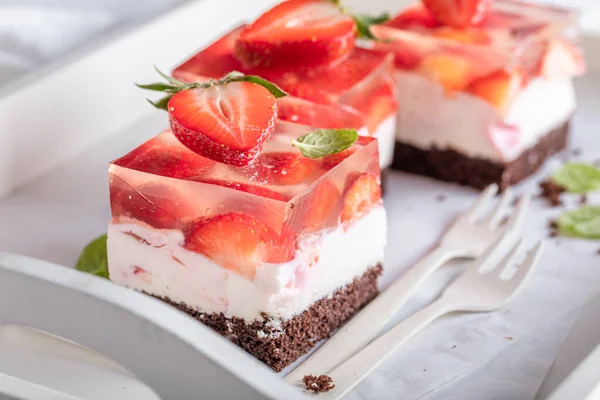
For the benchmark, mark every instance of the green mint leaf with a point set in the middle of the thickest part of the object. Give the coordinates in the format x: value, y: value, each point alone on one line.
x: 323, y: 142
x: 583, y: 222
x: 578, y: 177
x: 161, y: 103
x: 94, y: 259
x: 364, y: 22
x: 159, y: 87
x: 270, y: 86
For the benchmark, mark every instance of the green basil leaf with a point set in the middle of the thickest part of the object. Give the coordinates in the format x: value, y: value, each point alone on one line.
x: 323, y: 142
x: 578, y: 177
x: 94, y: 259
x: 583, y: 222
x: 364, y: 22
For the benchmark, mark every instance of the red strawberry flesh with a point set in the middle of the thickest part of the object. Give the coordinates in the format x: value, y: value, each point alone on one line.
x: 237, y: 241
x: 297, y: 33
x: 288, y: 168
x: 226, y: 123
x: 362, y: 195
x: 458, y: 13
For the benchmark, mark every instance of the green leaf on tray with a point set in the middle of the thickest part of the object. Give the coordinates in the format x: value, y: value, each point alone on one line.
x: 578, y: 177
x: 323, y: 142
x: 94, y: 259
x: 583, y: 222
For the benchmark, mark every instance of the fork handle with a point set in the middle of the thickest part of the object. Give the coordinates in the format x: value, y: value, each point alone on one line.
x: 365, y: 325
x: 355, y: 369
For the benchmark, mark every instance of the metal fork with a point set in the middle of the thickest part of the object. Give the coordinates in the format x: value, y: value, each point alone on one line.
x: 468, y: 237
x: 483, y: 287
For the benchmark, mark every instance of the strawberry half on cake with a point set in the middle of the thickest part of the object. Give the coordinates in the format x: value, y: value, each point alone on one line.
x: 485, y: 87
x: 307, y: 47
x: 269, y: 232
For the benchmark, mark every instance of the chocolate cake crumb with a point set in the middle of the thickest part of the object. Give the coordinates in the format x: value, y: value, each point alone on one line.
x: 552, y: 191
x: 583, y: 199
x: 441, y: 198
x: 598, y: 251
x: 576, y: 152
x: 318, y: 384
x: 553, y: 227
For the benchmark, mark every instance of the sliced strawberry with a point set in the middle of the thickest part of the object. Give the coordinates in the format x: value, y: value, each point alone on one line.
x: 159, y: 157
x: 297, y: 33
x: 458, y: 13
x: 498, y: 89
x: 321, y: 209
x: 287, y: 168
x: 561, y: 60
x: 407, y: 47
x: 158, y: 206
x: 226, y: 123
x: 416, y: 15
x: 341, y: 76
x: 374, y: 97
x: 305, y: 112
x: 333, y: 160
x: 247, y: 188
x: 237, y: 241
x: 464, y: 36
x: 362, y: 194
x: 506, y: 139
x: 453, y: 72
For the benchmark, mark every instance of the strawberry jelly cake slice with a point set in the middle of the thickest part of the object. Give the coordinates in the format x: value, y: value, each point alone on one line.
x: 267, y: 245
x: 327, y: 69
x: 486, y: 87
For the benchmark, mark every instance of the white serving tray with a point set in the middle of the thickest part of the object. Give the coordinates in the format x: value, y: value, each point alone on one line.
x: 576, y: 372
x: 55, y: 168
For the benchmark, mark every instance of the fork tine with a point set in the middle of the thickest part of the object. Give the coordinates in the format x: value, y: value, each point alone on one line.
x: 482, y: 201
x: 511, y: 256
x: 515, y: 222
x: 523, y: 272
x: 496, y: 215
x: 487, y: 256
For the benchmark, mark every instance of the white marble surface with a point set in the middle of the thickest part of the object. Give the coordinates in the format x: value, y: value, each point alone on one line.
x: 503, y: 355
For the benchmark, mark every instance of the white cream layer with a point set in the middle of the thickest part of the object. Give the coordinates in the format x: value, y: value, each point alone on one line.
x: 281, y: 291
x: 386, y: 139
x: 429, y: 117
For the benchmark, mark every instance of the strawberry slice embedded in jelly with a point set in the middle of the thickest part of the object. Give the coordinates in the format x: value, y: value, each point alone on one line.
x: 451, y: 71
x: 498, y: 89
x: 296, y: 33
x: 360, y: 197
x: 256, y: 190
x: 333, y: 160
x: 287, y: 168
x: 160, y: 158
x: 458, y: 13
x: 332, y: 116
x: 159, y: 207
x: 321, y: 207
x: 416, y: 15
x: 227, y: 123
x: 237, y: 241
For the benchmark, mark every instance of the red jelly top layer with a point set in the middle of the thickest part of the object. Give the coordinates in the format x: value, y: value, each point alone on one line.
x: 362, y: 80
x: 164, y: 184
